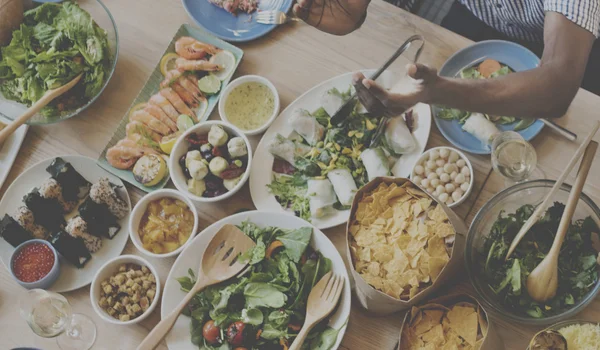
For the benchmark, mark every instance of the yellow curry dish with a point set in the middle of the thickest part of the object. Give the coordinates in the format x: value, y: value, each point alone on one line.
x: 166, y: 225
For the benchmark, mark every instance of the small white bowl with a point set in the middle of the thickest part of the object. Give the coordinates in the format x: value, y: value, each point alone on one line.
x: 181, y: 147
x: 247, y: 79
x: 109, y: 269
x: 138, y: 212
x: 462, y: 156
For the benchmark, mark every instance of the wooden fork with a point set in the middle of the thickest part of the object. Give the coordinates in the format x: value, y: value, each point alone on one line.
x: 321, y: 301
x: 219, y: 263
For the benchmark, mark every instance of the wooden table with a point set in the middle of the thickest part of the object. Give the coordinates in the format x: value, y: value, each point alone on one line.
x: 294, y: 57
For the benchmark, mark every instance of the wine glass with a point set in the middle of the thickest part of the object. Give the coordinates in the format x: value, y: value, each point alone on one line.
x: 514, y: 158
x: 49, y: 315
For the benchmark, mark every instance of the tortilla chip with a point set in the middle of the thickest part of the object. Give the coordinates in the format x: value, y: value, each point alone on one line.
x: 434, y: 336
x: 436, y: 247
x: 435, y: 267
x: 464, y: 322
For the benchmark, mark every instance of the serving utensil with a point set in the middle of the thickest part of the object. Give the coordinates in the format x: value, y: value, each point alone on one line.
x: 321, y: 301
x: 542, y: 282
x: 566, y: 133
x: 219, y: 263
x: 275, y: 17
x: 36, y: 107
x: 541, y: 209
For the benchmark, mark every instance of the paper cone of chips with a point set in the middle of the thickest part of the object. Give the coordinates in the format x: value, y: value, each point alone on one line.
x: 402, y: 243
x: 449, y: 323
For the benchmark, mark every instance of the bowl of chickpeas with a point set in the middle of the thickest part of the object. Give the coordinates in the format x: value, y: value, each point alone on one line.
x: 125, y: 290
x: 446, y: 173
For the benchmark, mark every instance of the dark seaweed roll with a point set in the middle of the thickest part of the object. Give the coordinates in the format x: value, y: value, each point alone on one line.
x: 100, y: 221
x: 74, y: 185
x: 71, y: 248
x: 47, y: 212
x: 51, y: 189
x: 77, y: 227
x: 25, y: 218
x: 12, y: 232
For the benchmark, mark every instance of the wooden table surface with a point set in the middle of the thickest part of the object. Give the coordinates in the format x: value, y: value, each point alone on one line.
x: 294, y: 57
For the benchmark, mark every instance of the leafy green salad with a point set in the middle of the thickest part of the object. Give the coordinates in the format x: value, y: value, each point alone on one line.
x: 577, y: 273
x: 266, y: 306
x: 55, y: 43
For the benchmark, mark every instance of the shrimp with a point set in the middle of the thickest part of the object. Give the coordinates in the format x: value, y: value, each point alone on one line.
x: 176, y: 101
x: 122, y: 157
x: 193, y: 65
x: 193, y: 49
x: 192, y: 87
x: 172, y: 76
x: 137, y: 128
x: 158, y: 113
x: 185, y: 95
x: 132, y: 144
x: 153, y: 123
x: 164, y: 104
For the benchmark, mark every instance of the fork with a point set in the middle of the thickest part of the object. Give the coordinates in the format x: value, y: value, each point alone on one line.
x: 321, y: 301
x: 274, y: 17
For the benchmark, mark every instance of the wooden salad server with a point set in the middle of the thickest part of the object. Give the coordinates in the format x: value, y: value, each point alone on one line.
x: 321, y: 301
x: 219, y: 263
x: 36, y: 107
x: 542, y: 282
x: 541, y: 209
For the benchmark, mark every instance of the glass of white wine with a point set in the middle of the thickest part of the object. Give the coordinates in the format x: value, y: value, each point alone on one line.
x: 513, y: 157
x: 50, y: 315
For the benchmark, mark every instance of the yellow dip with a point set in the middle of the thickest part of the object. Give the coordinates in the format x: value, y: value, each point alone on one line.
x: 249, y: 105
x: 166, y: 225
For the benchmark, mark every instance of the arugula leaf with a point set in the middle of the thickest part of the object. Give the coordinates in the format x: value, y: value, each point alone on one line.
x: 270, y: 332
x: 279, y: 319
x: 325, y: 340
x: 295, y: 242
x: 263, y: 295
x: 252, y: 316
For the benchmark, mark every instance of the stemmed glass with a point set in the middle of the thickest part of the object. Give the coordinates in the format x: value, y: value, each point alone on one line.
x: 49, y: 315
x: 514, y: 158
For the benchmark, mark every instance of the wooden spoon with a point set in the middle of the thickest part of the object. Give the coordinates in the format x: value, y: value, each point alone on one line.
x: 542, y: 282
x: 321, y: 301
x: 36, y: 107
x: 219, y: 263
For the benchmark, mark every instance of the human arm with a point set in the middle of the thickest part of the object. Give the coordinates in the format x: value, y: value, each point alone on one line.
x: 338, y: 17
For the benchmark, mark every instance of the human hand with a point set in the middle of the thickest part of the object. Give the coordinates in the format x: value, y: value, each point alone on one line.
x: 338, y: 17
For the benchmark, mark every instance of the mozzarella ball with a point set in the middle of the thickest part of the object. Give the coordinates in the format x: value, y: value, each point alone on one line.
x: 444, y: 177
x: 449, y: 168
x: 460, y: 179
x: 465, y: 171
x: 425, y: 183
x: 430, y: 190
x: 444, y: 152
x: 229, y: 184
x: 440, y: 163
x: 440, y: 189
x: 217, y: 136
x: 464, y: 187
x: 450, y: 188
x: 461, y: 163
x: 435, y: 154
x: 432, y: 176
x: 419, y: 170
x: 196, y: 187
x: 456, y: 196
x: 443, y: 197
x: 430, y: 165
x: 453, y: 175
x: 198, y: 170
x: 237, y: 147
x: 453, y: 157
x: 417, y: 179
x: 217, y: 165
x: 434, y: 182
x: 439, y: 171
x: 427, y: 172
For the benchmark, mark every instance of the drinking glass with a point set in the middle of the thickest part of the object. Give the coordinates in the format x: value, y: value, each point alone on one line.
x: 49, y: 315
x: 514, y: 158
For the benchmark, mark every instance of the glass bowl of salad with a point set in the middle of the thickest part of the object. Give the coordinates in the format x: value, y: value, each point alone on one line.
x: 55, y: 43
x: 502, y: 283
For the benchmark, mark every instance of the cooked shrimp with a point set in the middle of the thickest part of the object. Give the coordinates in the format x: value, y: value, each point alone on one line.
x: 171, y: 77
x: 192, y: 87
x: 132, y: 144
x: 164, y: 104
x: 193, y: 49
x: 185, y: 95
x: 159, y: 114
x: 122, y: 157
x: 137, y: 128
x: 153, y: 123
x: 176, y: 101
x: 193, y: 65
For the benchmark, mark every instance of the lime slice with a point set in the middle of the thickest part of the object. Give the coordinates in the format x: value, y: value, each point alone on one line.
x: 209, y: 84
x: 167, y: 63
x: 167, y: 142
x: 227, y: 61
x: 184, y: 122
x: 136, y: 108
x: 201, y: 110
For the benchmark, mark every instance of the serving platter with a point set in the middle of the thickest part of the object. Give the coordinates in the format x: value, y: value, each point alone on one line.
x: 10, y: 149
x: 260, y: 173
x: 180, y: 339
x: 70, y: 278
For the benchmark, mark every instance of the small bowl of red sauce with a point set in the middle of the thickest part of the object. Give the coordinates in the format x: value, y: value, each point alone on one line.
x: 34, y: 264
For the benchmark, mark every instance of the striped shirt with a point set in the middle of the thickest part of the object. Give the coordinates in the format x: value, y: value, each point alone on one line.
x: 524, y: 19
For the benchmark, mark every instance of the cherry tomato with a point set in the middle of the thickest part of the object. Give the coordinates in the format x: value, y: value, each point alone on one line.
x: 235, y: 333
x: 211, y: 332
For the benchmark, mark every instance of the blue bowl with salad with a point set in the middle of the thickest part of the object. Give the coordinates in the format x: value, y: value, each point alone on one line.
x: 502, y: 284
x: 56, y: 42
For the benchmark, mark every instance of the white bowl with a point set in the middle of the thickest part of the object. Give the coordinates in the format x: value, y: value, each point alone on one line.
x: 248, y: 79
x: 462, y: 156
x: 181, y: 147
x: 109, y: 269
x: 138, y: 212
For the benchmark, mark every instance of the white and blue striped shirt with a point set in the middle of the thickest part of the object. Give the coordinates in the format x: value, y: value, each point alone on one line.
x: 524, y: 19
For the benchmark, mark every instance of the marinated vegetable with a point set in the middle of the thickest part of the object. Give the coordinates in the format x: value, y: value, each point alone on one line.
x: 166, y: 225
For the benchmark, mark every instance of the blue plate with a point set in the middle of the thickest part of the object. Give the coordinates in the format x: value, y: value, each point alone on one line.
x: 226, y: 26
x: 517, y: 57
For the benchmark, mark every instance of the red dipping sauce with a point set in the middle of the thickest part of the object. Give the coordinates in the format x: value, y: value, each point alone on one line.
x: 33, y: 262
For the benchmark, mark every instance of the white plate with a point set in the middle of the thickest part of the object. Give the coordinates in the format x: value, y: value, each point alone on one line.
x: 260, y: 174
x: 179, y: 338
x: 71, y: 278
x: 10, y: 149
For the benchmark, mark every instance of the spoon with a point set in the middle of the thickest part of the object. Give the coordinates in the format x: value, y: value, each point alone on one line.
x: 219, y: 263
x: 542, y: 282
x: 549, y: 339
x: 39, y: 104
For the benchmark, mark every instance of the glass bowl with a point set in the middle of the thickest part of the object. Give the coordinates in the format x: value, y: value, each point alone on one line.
x: 101, y: 15
x: 509, y: 200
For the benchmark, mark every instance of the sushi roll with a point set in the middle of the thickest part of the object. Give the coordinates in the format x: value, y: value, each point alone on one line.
x: 51, y: 189
x: 77, y: 227
x: 47, y: 212
x: 100, y: 221
x: 12, y: 232
x: 103, y: 192
x: 25, y: 218
x: 71, y: 248
x: 74, y: 186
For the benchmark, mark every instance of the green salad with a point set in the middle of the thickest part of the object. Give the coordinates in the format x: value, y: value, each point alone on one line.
x: 55, y: 43
x: 577, y: 273
x: 265, y: 308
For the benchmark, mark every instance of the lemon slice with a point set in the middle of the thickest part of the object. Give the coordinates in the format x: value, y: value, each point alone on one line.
x: 167, y: 142
x: 136, y: 108
x: 201, y: 110
x: 227, y: 61
x: 167, y: 62
x: 184, y: 122
x: 150, y: 169
x: 209, y: 84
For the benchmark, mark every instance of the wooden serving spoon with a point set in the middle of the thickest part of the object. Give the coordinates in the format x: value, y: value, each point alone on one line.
x: 36, y: 107
x: 542, y: 282
x: 219, y: 263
